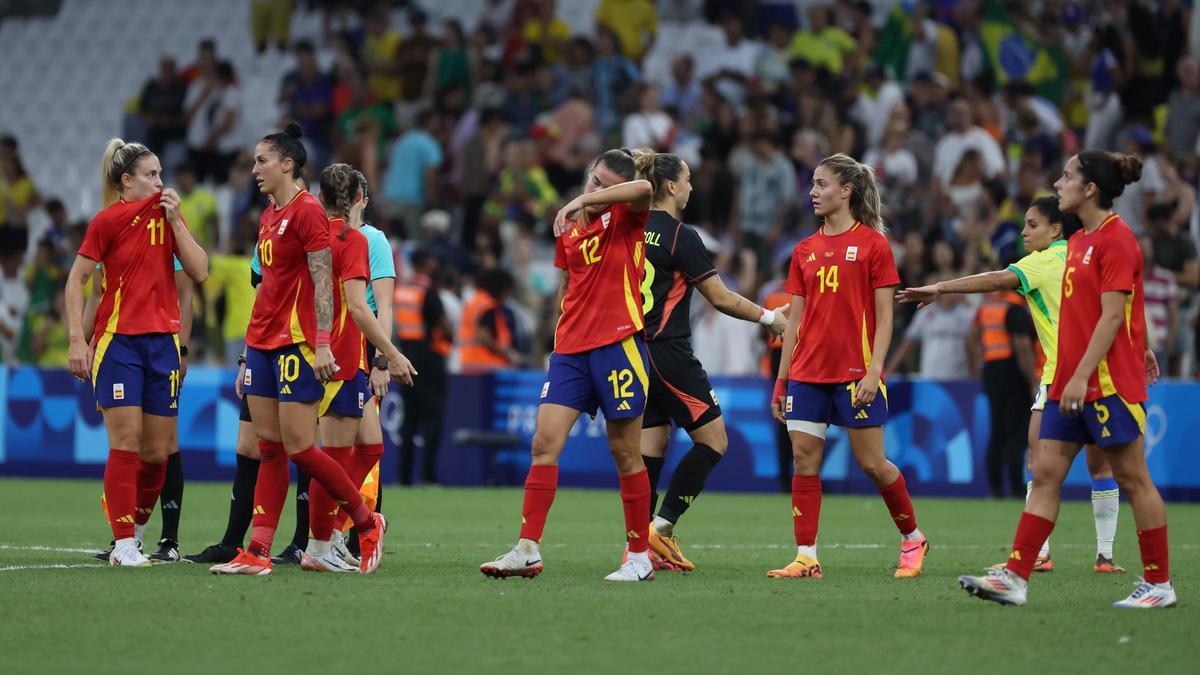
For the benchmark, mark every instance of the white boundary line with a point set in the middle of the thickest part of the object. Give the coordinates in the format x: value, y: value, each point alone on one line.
x: 59, y: 566
x: 48, y: 549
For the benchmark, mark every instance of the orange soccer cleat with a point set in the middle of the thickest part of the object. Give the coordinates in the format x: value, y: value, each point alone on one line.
x: 803, y: 567
x: 245, y: 563
x: 370, y: 545
x: 912, y: 556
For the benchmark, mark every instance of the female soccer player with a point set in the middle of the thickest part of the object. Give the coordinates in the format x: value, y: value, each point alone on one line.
x: 133, y: 357
x: 288, y: 357
x: 347, y: 394
x: 839, y: 329
x: 1099, y: 383
x: 1038, y: 276
x: 676, y: 261
x: 599, y: 358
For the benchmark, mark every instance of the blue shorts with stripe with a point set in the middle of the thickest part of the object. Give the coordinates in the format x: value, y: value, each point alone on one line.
x: 611, y: 378
x: 137, y: 370
x: 346, y: 397
x: 833, y: 404
x: 285, y: 373
x: 1104, y: 422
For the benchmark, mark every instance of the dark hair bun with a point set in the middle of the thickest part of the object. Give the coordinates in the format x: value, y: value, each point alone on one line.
x: 294, y: 130
x: 1130, y: 168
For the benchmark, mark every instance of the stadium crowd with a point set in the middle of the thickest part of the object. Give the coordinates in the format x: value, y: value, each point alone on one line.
x: 472, y: 137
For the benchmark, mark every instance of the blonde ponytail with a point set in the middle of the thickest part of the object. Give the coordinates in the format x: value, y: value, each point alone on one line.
x: 119, y: 159
x: 865, y: 203
x: 643, y: 165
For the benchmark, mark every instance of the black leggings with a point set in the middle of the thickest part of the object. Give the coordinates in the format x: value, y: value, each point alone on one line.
x: 1009, y: 399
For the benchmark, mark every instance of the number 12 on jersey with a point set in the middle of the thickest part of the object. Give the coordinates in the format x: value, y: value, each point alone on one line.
x: 828, y: 277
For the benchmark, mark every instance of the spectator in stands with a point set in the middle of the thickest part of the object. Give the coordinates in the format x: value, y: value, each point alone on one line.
x: 306, y: 96
x: 1174, y: 247
x: 649, y: 126
x: 930, y: 97
x: 380, y: 46
x: 522, y: 191
x: 14, y: 298
x: 730, y: 68
x: 873, y: 108
x: 774, y: 67
x: 680, y: 11
x: 523, y: 102
x: 573, y: 76
x: 566, y: 142
x: 198, y: 206
x: 613, y: 74
x: 714, y: 334
x: 450, y: 65
x: 766, y: 190
x: 964, y: 135
x: 683, y: 92
x: 227, y: 285
x: 205, y: 63
x: 940, y: 330
x: 161, y: 109
x: 1183, y: 111
x: 18, y: 196
x: 633, y: 21
x: 49, y: 346
x: 1135, y: 202
x: 412, y: 65
x: 57, y: 230
x: 271, y: 21
x: 364, y: 127
x: 1162, y: 308
x: 479, y: 162
x: 821, y: 42
x: 214, y: 111
x: 544, y: 35
x: 411, y: 179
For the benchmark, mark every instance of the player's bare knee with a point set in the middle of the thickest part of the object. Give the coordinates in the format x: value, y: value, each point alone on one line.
x: 545, y: 448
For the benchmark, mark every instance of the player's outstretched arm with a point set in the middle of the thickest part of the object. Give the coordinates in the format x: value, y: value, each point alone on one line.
x: 399, y: 367
x: 736, y: 305
x: 977, y: 283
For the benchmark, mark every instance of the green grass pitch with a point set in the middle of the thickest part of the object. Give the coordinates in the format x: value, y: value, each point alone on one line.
x: 430, y: 610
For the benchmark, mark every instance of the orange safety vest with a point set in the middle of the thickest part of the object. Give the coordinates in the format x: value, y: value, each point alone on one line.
x: 474, y: 356
x: 997, y: 343
x: 408, y: 299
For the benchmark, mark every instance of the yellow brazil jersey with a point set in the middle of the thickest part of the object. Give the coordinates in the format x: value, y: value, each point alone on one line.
x: 1041, y: 274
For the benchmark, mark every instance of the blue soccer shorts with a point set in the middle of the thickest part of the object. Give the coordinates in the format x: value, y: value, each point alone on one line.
x: 346, y: 397
x: 811, y: 408
x: 285, y: 373
x: 138, y: 370
x: 1106, y: 422
x: 611, y: 378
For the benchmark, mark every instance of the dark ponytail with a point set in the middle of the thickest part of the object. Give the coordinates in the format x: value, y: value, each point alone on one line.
x: 1048, y: 207
x: 287, y: 144
x: 1110, y: 171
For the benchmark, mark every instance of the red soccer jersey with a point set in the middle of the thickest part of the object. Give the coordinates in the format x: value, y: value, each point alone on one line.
x: 349, y: 262
x: 1107, y: 259
x: 284, y: 310
x: 135, y: 245
x: 837, y: 277
x: 604, y: 259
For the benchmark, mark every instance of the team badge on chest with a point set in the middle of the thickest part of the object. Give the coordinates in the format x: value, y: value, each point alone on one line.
x: 851, y: 253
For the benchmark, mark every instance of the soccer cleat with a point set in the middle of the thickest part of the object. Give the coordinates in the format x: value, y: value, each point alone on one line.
x: 632, y: 570
x: 288, y: 556
x: 325, y: 562
x: 1105, y: 565
x: 103, y: 555
x: 803, y: 567
x: 912, y: 556
x: 656, y: 561
x: 127, y: 555
x: 168, y: 552
x: 1042, y: 564
x: 371, y: 545
x: 666, y: 547
x: 245, y: 563
x: 1000, y: 585
x: 338, y: 543
x: 512, y: 564
x: 1149, y: 596
x: 213, y: 555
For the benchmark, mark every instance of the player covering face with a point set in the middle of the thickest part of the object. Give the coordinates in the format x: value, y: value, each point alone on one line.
x: 839, y: 328
x: 1099, y: 384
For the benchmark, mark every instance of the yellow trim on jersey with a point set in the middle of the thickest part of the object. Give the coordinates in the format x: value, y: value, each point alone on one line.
x: 635, y: 362
x: 296, y: 330
x: 883, y: 390
x: 1129, y: 314
x: 1137, y: 412
x: 634, y: 308
x: 111, y: 326
x: 342, y: 315
x: 332, y: 388
x: 101, y: 347
x: 866, y: 343
x: 1107, y: 386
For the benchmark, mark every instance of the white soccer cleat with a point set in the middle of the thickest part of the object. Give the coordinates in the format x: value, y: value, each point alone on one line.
x: 513, y: 564
x: 1149, y: 596
x: 126, y: 553
x: 338, y: 543
x: 1000, y: 585
x: 633, y: 570
x: 326, y: 562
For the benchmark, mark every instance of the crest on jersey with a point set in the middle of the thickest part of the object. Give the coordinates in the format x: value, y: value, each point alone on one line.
x: 604, y: 218
x: 1087, y: 257
x: 851, y: 253
x: 282, y: 227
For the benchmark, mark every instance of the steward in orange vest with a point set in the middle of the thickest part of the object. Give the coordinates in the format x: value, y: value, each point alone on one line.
x: 485, y: 334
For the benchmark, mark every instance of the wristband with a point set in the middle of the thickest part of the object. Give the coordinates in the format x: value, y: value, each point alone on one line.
x: 183, y: 351
x: 241, y: 359
x: 380, y: 362
x: 779, y: 392
x: 767, y: 317
x: 322, y: 338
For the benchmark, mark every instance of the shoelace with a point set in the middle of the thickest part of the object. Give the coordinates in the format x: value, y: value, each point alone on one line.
x: 1144, y: 588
